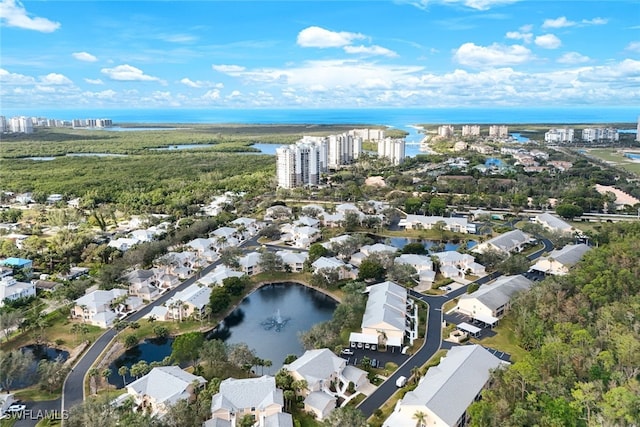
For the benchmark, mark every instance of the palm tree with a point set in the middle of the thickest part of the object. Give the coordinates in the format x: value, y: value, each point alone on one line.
x: 415, y: 374
x: 421, y: 418
x: 93, y: 373
x: 382, y: 338
x: 123, y: 371
x: 268, y: 363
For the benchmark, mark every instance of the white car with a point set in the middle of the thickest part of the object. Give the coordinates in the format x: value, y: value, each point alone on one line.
x: 347, y: 352
x: 16, y: 408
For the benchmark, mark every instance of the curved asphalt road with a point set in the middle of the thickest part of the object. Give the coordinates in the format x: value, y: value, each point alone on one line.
x: 433, y: 337
x: 72, y: 390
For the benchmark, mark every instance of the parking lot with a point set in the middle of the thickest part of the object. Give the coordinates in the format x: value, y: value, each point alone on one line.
x: 393, y: 354
x: 457, y: 318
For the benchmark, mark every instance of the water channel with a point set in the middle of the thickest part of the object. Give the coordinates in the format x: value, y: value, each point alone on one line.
x: 268, y: 320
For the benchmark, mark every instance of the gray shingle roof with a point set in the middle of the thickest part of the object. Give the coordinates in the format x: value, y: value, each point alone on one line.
x: 570, y: 255
x: 386, y: 304
x: 166, y: 384
x: 240, y: 394
x: 496, y: 294
x: 316, y: 365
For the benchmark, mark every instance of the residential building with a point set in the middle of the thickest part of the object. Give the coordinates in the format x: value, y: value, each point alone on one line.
x: 162, y: 388
x: 368, y: 134
x: 385, y: 317
x: 491, y: 300
x: 11, y: 289
x: 445, y: 131
x: 423, y: 265
x: 600, y: 135
x: 555, y: 136
x: 553, y: 223
x: 301, y: 164
x: 142, y: 283
x: 250, y: 263
x: 189, y: 302
x: 342, y: 149
x: 470, y: 130
x: 217, y: 276
x: 392, y: 149
x: 96, y: 308
x: 294, y: 261
x: 21, y: 125
x: 560, y: 261
x: 509, y: 242
x: 422, y: 222
x: 23, y: 265
x: 320, y: 368
x: 255, y: 397
x: 455, y: 265
x: 447, y: 390
x: 498, y: 131
x: 278, y: 212
x: 638, y: 130
x: 330, y: 263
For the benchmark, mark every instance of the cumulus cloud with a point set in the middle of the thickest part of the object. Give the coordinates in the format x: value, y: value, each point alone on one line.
x: 560, y: 22
x: 517, y: 35
x: 84, y: 56
x: 370, y: 50
x: 595, y: 21
x: 13, y: 14
x: 548, y: 41
x: 319, y: 37
x: 211, y: 95
x: 228, y: 69
x: 94, y: 81
x: 15, y: 78
x: 573, y: 58
x: 55, y: 79
x: 473, y: 55
x: 633, y: 47
x: 127, y: 73
x: 198, y: 83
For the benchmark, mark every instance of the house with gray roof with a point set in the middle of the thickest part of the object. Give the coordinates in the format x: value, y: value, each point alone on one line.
x: 295, y: 260
x: 95, y: 307
x: 447, y: 390
x: 256, y: 397
x: 142, y: 283
x: 422, y: 222
x: 507, y: 243
x: 560, y: 261
x: 189, y: 301
x: 319, y: 368
x: 163, y: 387
x: 344, y: 270
x: 217, y: 276
x: 553, y: 223
x: 491, y: 300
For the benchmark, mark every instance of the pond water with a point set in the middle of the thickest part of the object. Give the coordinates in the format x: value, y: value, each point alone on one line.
x: 266, y: 148
x: 519, y: 138
x: 268, y: 320
x: 38, y: 352
x: 401, y: 242
x: 95, y: 155
x: 633, y: 156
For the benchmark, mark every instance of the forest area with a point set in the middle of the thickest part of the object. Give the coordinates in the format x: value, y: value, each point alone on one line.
x: 582, y: 334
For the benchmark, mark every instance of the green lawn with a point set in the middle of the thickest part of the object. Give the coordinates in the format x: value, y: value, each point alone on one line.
x: 504, y: 340
x: 616, y: 158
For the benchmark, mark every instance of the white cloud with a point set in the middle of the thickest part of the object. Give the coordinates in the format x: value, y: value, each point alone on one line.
x: 595, y: 21
x: 178, y: 38
x: 517, y: 35
x: 94, y: 81
x: 633, y: 47
x: 199, y: 83
x: 319, y: 37
x: 473, y: 55
x: 55, y: 79
x: 548, y: 41
x: 127, y: 73
x: 228, y: 69
x: 13, y: 14
x: 560, y: 22
x: 211, y: 95
x: 370, y: 50
x: 84, y: 56
x: 474, y: 4
x: 14, y: 78
x: 573, y: 58
x: 234, y: 94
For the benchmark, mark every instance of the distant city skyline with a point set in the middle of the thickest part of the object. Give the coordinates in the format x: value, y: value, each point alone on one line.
x: 319, y: 54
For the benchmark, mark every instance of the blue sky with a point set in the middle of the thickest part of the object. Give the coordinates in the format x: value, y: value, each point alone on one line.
x: 249, y: 54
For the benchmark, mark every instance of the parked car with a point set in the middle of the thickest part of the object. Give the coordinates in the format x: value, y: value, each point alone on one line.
x: 374, y: 363
x: 401, y: 381
x: 374, y: 347
x: 347, y: 352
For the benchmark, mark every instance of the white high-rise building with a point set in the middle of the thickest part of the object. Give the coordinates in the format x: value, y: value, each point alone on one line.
x: 470, y: 130
x: 638, y: 130
x: 498, y: 131
x: 343, y: 149
x: 392, y: 149
x: 600, y: 134
x: 559, y: 135
x: 445, y: 131
x: 3, y: 124
x: 21, y: 125
x: 368, y: 134
x: 301, y: 164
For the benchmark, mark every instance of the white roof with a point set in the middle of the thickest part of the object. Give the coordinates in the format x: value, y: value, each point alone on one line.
x: 249, y: 260
x: 307, y: 220
x: 386, y: 307
x: 157, y: 312
x: 279, y: 419
x: 363, y: 338
x: 236, y: 395
x: 100, y: 298
x: 570, y: 255
x: 468, y: 328
x: 327, y: 262
x: 319, y: 400
x: 414, y: 259
x: 497, y: 293
x: 507, y: 241
x: 290, y: 257
x: 196, y: 295
x: 224, y: 232
x: 377, y: 248
x: 431, y: 220
x: 243, y: 221
x: 449, y: 388
x: 217, y: 276
x: 316, y: 365
x: 485, y: 318
x: 166, y: 384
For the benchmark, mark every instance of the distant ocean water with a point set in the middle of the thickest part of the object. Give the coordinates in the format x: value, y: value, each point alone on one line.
x: 396, y: 117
